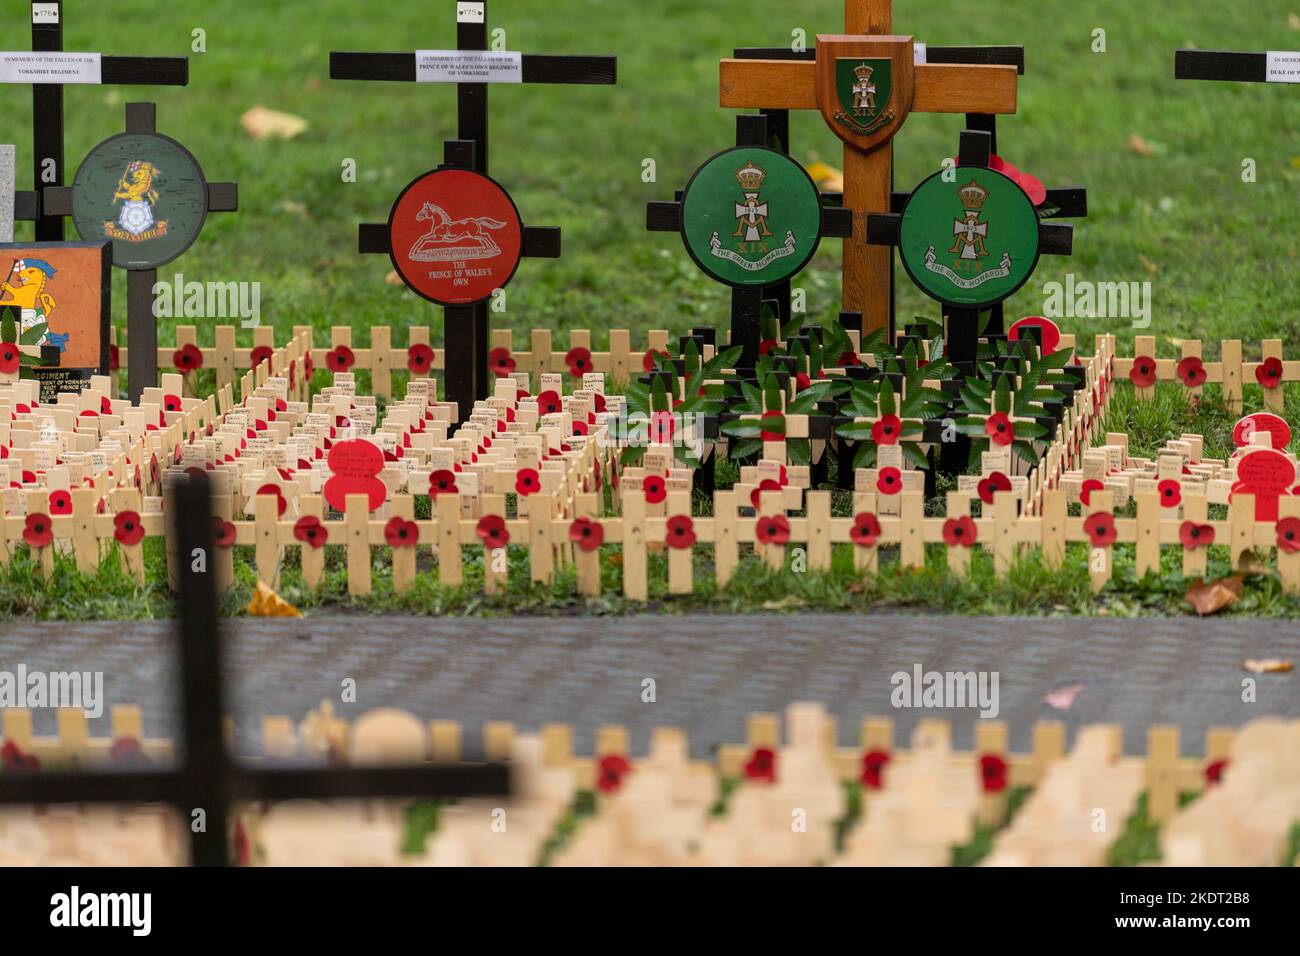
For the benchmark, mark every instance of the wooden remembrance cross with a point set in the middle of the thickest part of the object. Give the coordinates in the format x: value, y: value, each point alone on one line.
x: 467, y: 325
x: 865, y: 84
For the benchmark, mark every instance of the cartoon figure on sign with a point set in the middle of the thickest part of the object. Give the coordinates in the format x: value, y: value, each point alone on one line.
x: 969, y: 229
x: 354, y: 467
x: 454, y: 239
x: 135, y: 222
x: 26, y: 289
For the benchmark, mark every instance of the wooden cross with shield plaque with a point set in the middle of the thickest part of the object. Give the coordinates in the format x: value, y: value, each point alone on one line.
x: 865, y: 83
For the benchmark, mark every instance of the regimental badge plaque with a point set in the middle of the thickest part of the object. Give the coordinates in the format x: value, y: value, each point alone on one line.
x: 969, y: 238
x: 751, y: 217
x: 865, y: 87
x: 455, y: 236
x: 146, y: 193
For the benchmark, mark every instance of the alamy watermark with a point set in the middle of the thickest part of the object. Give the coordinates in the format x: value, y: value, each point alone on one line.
x: 179, y: 299
x: 638, y: 430
x: 1083, y: 299
x: 35, y: 690
x: 956, y: 690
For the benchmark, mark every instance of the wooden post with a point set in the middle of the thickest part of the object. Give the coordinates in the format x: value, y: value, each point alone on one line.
x: 356, y: 523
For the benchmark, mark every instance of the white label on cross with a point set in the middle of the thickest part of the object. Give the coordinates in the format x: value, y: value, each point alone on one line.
x: 918, y: 52
x: 468, y: 12
x: 468, y: 66
x: 45, y: 13
x: 49, y: 68
x: 1282, y: 67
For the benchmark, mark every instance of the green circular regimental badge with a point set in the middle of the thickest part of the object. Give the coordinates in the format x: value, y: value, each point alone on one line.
x: 146, y: 193
x: 972, y: 242
x: 751, y: 217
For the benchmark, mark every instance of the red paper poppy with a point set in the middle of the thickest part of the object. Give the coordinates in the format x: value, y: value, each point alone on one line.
x: 655, y: 489
x: 762, y: 765
x: 1143, y: 373
x: 113, y: 360
x: 772, y: 436
x: 889, y: 481
x: 223, y: 532
x: 127, y: 528
x: 1171, y: 493
x: 848, y: 359
x: 38, y: 531
x: 766, y: 346
x: 1000, y: 429
x: 1192, y: 371
x: 442, y: 482
x: 662, y: 427
x: 1214, y: 772
x: 587, y: 534
x: 500, y: 361
x: 308, y: 365
x: 579, y: 361
x: 549, y: 402
x: 650, y: 361
x: 340, y: 359
x: 127, y: 752
x: 580, y: 427
x: 990, y: 486
x: 960, y: 531
x: 1100, y: 528
x: 187, y: 358
x: 280, y: 503
x: 60, y: 502
x: 610, y: 772
x: 993, y: 773
x: 873, y: 768
x: 767, y: 484
x: 1193, y: 535
x: 171, y: 403
x: 13, y: 759
x: 1088, y: 487
x: 492, y: 531
x: 772, y: 530
x: 1269, y: 372
x: 419, y: 359
x: 9, y: 358
x: 1288, y: 535
x: 309, y: 530
x: 801, y: 381
x: 400, y: 533
x: 528, y: 482
x: 681, y: 532
x: 263, y: 353
x: 887, y: 430
x: 865, y: 530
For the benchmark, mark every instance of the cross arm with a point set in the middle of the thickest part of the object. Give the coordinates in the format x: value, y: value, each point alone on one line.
x: 1071, y: 202
x: 986, y: 55
x: 1054, y: 239
x: 940, y: 87
x: 1221, y: 65
x: 837, y: 222
x: 400, y: 67
x: 540, y: 242
x: 145, y: 70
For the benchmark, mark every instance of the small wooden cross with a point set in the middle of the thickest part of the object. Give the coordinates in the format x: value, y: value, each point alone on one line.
x: 47, y: 108
x: 467, y: 327
x: 868, y: 157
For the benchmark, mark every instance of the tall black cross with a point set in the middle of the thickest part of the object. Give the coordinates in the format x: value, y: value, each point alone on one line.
x: 206, y: 777
x: 1237, y: 67
x: 1062, y: 202
x: 141, y: 323
x: 47, y: 110
x: 466, y: 345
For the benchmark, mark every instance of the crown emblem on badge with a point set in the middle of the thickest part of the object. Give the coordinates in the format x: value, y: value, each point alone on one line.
x: 750, y: 176
x: 972, y: 195
x: 864, y: 72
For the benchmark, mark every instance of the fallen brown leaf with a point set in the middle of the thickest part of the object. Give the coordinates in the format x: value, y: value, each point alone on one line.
x: 827, y: 177
x: 1215, y: 596
x: 1251, y: 566
x: 393, y: 278
x: 1266, y: 667
x: 1140, y: 146
x: 1151, y: 267
x: 785, y: 604
x: 262, y: 123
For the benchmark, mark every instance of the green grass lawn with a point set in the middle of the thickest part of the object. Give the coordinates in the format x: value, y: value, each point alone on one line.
x: 1218, y: 252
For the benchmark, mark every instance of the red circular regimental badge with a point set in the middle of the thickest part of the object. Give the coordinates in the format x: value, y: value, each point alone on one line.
x: 455, y: 236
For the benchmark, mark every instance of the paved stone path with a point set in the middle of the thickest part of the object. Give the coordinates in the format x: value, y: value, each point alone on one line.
x: 710, y: 672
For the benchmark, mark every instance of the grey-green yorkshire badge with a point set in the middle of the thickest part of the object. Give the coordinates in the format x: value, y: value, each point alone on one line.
x: 145, y: 192
x: 751, y: 217
x: 971, y: 242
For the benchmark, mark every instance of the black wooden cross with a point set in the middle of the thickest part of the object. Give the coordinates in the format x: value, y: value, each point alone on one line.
x: 466, y: 340
x: 47, y: 110
x: 206, y: 777
x: 1062, y: 202
x: 141, y: 323
x: 1225, y: 65
x: 747, y: 303
x: 963, y: 324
